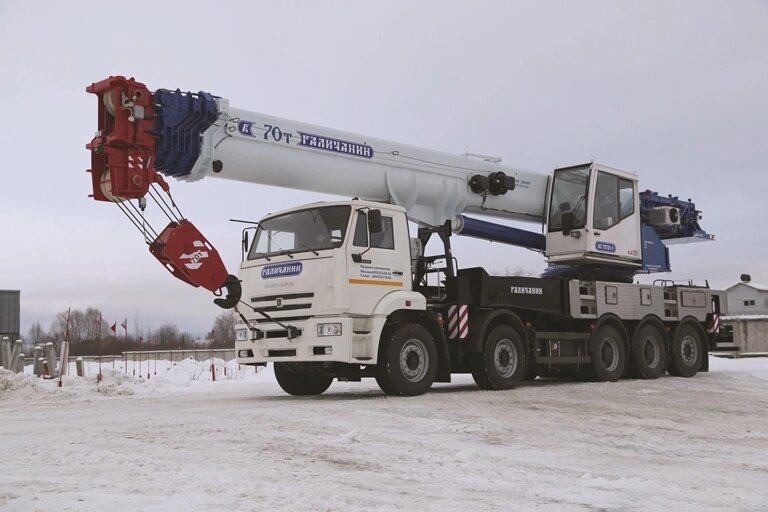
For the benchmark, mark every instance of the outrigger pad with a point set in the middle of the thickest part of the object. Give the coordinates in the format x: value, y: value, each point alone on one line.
x: 186, y: 253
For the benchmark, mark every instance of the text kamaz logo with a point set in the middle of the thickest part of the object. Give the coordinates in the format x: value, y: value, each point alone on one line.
x: 524, y: 290
x: 605, y: 247
x: 282, y: 270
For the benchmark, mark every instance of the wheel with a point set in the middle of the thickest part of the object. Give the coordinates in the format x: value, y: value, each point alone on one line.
x: 649, y: 353
x: 503, y: 364
x: 300, y: 384
x: 609, y: 355
x: 407, y: 363
x: 686, y: 352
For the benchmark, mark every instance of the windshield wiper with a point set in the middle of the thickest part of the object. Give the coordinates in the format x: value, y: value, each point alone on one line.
x: 286, y: 253
x: 311, y: 249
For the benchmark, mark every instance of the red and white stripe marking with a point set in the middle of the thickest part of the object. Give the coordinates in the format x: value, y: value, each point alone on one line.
x: 458, y: 322
x: 714, y: 327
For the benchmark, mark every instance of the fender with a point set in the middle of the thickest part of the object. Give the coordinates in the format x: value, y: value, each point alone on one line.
x: 481, y: 321
x: 405, y: 300
x: 656, y: 322
x: 610, y: 318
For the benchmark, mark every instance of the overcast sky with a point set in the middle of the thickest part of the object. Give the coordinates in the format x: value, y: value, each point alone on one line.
x: 676, y: 91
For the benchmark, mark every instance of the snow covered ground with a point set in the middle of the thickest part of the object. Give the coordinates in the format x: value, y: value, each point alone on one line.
x: 181, y: 442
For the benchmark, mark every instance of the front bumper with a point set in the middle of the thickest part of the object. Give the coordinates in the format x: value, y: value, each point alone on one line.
x: 275, y: 346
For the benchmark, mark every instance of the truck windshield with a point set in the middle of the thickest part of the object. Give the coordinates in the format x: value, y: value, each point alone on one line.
x: 302, y: 231
x: 569, y: 193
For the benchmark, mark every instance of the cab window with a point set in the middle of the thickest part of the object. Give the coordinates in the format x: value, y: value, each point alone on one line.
x: 606, y: 212
x: 383, y: 240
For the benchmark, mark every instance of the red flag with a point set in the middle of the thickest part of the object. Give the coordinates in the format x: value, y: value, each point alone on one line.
x: 114, y: 328
x: 125, y: 324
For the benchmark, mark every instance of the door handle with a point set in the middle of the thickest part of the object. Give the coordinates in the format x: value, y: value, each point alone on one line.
x: 397, y: 272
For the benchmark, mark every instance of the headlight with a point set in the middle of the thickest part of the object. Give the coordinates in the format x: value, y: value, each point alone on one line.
x: 241, y: 335
x: 333, y: 329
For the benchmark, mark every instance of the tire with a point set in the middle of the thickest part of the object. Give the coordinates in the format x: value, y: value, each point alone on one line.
x: 649, y: 352
x: 686, y: 352
x: 407, y: 363
x: 300, y: 384
x: 503, y: 362
x: 609, y: 354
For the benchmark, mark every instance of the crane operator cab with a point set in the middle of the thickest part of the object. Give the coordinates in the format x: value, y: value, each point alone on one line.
x: 593, y: 217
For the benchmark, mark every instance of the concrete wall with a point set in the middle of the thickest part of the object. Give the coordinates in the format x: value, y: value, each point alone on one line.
x: 750, y: 334
x: 738, y: 293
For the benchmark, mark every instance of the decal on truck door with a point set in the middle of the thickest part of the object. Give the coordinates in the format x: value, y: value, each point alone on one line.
x: 605, y: 246
x: 282, y: 270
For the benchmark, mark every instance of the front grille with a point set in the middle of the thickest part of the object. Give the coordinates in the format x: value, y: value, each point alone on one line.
x: 287, y: 296
x: 283, y: 319
x: 282, y: 353
x: 285, y: 307
x: 275, y: 305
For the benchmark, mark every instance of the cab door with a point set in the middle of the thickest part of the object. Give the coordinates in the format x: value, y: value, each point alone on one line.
x: 615, y: 216
x: 378, y: 262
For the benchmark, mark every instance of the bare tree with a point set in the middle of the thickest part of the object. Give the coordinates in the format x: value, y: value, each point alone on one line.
x: 36, y: 334
x: 223, y: 331
x: 514, y: 272
x: 166, y: 335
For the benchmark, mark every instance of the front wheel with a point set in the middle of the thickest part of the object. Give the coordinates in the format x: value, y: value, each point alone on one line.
x: 686, y: 352
x: 299, y: 384
x: 407, y: 363
x: 503, y: 364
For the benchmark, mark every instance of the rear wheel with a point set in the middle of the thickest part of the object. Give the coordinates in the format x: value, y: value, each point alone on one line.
x: 649, y: 354
x: 503, y: 364
x: 686, y: 352
x: 407, y: 363
x: 609, y: 355
x: 299, y: 384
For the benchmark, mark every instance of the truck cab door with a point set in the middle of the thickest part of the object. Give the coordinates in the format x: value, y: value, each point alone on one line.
x: 379, y: 262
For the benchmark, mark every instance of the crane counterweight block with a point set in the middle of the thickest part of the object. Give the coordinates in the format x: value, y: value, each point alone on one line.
x: 186, y: 253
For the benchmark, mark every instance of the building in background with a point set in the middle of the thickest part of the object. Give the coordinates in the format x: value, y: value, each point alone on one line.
x: 10, y: 312
x: 747, y: 298
x: 746, y: 326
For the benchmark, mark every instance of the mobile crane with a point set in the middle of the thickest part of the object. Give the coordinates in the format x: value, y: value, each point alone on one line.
x: 340, y: 290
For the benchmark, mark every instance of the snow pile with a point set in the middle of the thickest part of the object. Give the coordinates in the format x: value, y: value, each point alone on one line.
x: 154, y: 378
x: 21, y: 386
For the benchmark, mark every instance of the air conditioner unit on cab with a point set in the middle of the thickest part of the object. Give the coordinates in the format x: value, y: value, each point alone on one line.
x: 664, y: 216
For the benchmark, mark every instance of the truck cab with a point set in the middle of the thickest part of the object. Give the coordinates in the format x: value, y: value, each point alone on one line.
x: 320, y: 280
x: 593, y: 217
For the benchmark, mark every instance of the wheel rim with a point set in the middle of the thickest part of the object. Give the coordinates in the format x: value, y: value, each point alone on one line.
x: 651, y: 352
x: 609, y: 354
x: 414, y: 360
x: 505, y: 358
x: 689, y: 350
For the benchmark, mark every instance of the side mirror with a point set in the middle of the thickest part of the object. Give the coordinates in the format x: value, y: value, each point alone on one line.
x: 245, y: 241
x: 567, y: 222
x: 374, y: 221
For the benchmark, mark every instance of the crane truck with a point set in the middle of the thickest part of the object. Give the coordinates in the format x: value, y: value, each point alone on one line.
x: 342, y: 290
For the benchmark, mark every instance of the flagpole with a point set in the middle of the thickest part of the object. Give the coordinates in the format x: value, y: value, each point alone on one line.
x: 98, y: 343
